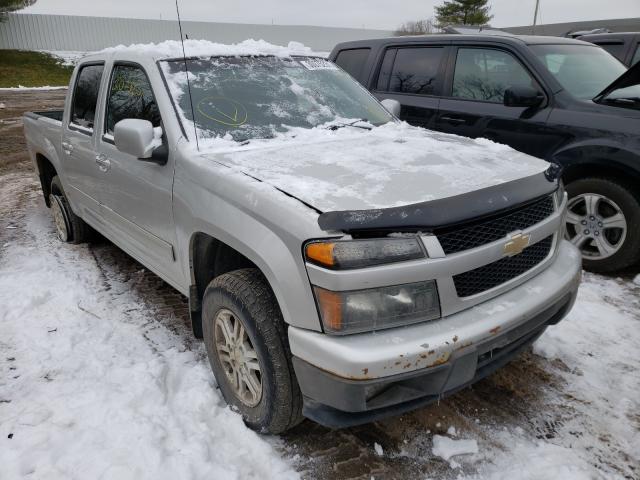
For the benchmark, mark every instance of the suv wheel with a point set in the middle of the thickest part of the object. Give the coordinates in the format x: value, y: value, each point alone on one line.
x: 69, y: 227
x: 248, y: 349
x: 602, y: 221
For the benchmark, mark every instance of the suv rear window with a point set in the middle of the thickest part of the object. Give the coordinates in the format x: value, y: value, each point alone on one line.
x: 85, y: 96
x: 614, y: 48
x: 352, y: 61
x: 411, y: 70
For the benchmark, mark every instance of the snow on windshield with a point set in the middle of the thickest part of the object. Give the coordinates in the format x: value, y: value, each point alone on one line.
x: 244, y: 98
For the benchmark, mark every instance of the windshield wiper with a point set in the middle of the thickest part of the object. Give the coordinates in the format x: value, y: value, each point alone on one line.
x: 337, y: 126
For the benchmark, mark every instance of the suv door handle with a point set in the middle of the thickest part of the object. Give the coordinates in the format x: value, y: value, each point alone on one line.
x: 103, y: 162
x: 454, y: 120
x: 67, y: 147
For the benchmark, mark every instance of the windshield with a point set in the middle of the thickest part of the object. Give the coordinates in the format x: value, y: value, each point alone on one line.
x: 583, y: 70
x: 246, y: 98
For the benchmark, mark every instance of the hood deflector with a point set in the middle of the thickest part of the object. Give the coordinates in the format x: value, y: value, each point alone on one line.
x: 445, y: 212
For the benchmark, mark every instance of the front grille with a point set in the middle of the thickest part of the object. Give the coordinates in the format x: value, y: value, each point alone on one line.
x: 485, y: 231
x: 496, y: 273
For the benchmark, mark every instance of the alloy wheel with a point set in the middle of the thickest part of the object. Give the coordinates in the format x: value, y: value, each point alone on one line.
x: 59, y: 218
x: 596, y: 225
x: 238, y: 358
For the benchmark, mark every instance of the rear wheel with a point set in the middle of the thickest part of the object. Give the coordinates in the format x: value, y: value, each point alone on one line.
x: 603, y: 221
x: 69, y: 227
x: 248, y: 350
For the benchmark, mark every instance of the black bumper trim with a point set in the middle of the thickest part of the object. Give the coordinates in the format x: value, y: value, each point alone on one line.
x: 364, y: 401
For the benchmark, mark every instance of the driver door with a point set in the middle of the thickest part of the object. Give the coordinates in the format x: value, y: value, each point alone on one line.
x: 474, y: 106
x: 137, y: 198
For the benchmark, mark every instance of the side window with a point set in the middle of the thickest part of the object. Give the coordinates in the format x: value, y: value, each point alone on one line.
x: 614, y: 48
x: 483, y: 74
x: 636, y: 56
x: 85, y: 96
x: 353, y: 61
x: 413, y: 70
x: 130, y: 96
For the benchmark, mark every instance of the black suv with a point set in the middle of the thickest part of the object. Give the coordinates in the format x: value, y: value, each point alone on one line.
x: 625, y: 46
x: 563, y: 100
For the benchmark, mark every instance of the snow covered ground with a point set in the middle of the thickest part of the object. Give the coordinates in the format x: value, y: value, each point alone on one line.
x: 96, y: 383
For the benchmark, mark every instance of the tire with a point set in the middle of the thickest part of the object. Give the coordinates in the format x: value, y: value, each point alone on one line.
x: 75, y: 229
x: 604, y: 248
x: 244, y: 296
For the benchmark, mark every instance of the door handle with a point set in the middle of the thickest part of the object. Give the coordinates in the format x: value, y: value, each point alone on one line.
x: 454, y: 120
x: 103, y: 162
x: 67, y: 147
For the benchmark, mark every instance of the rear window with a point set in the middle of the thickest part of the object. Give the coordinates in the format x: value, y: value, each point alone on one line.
x: 411, y: 70
x: 353, y: 61
x: 614, y: 48
x: 85, y: 96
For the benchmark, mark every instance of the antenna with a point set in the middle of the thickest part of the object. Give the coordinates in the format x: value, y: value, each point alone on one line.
x: 186, y: 72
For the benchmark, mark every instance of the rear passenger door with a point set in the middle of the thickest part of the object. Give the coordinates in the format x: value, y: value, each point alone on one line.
x: 80, y: 173
x: 412, y: 75
x: 474, y: 94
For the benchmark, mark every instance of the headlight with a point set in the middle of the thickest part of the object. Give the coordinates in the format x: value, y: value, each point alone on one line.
x: 340, y: 255
x: 377, y: 308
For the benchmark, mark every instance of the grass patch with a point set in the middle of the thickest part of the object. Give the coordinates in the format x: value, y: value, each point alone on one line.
x: 32, y: 69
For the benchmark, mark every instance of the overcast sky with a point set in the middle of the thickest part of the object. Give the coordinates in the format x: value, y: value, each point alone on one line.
x: 383, y: 14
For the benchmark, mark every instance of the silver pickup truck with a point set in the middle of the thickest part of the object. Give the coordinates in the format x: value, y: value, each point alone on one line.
x: 339, y: 264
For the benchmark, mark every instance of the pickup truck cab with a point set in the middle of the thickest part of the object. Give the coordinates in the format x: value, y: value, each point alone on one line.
x: 339, y: 264
x: 563, y: 100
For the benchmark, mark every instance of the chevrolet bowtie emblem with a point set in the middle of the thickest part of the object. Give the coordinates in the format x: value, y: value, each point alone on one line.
x: 517, y: 244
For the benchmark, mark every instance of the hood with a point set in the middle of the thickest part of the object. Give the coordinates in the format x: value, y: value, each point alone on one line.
x: 628, y: 79
x: 390, y: 166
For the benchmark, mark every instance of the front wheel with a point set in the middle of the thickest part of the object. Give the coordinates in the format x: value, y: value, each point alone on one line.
x: 247, y: 346
x: 603, y: 221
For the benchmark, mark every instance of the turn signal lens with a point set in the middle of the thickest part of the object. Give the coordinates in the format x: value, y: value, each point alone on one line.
x: 348, y: 254
x: 321, y: 253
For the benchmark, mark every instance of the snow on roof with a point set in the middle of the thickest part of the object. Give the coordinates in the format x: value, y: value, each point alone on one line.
x: 205, y: 48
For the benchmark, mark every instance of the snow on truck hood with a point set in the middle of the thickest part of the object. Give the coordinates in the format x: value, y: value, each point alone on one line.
x: 390, y: 166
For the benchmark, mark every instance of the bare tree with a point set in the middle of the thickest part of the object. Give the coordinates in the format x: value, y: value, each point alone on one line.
x: 419, y: 27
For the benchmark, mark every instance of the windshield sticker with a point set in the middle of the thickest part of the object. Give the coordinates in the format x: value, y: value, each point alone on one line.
x: 318, y: 64
x: 223, y: 110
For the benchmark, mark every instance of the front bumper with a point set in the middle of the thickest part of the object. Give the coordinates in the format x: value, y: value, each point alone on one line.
x: 356, y: 379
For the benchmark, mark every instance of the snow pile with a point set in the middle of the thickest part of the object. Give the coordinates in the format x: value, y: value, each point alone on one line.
x: 526, y: 460
x: 378, y: 449
x: 205, y: 48
x: 68, y: 58
x: 22, y: 88
x: 446, y: 448
x: 92, y: 386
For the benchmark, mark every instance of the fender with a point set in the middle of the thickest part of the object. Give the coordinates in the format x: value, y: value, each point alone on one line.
x: 231, y: 214
x: 606, y: 154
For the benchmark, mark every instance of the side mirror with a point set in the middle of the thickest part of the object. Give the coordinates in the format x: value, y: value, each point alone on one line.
x: 137, y: 137
x: 391, y: 106
x: 522, y: 97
